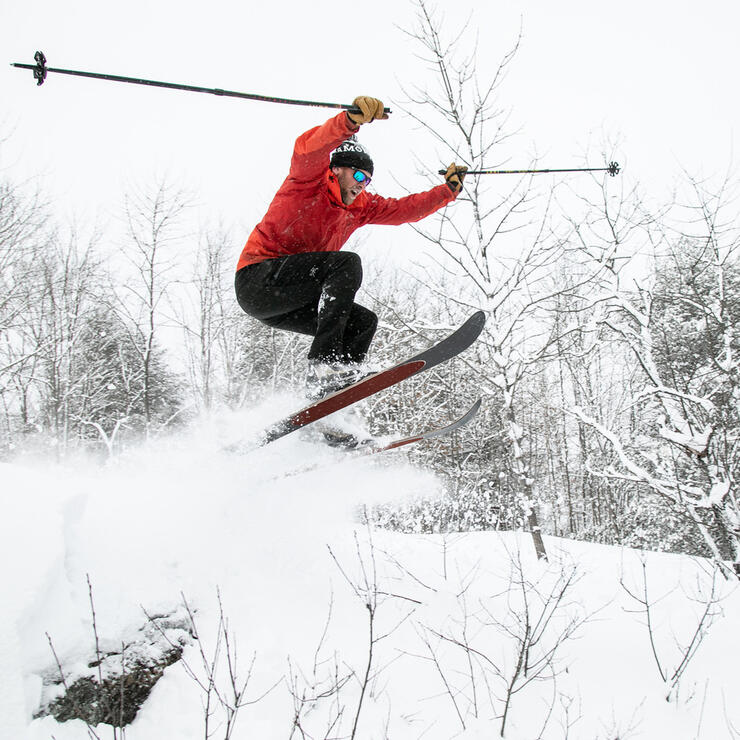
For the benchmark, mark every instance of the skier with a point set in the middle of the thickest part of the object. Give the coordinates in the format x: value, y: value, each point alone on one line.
x: 291, y: 274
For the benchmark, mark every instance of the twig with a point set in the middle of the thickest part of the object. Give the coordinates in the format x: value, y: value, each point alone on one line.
x: 90, y: 731
x: 440, y: 671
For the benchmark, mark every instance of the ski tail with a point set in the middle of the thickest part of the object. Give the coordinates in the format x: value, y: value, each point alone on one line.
x: 343, y: 398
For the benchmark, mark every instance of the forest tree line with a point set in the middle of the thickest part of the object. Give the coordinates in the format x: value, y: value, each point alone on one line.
x: 608, y: 367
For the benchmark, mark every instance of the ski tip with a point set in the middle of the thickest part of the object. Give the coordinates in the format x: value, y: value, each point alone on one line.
x: 473, y: 326
x: 466, y: 418
x: 471, y: 412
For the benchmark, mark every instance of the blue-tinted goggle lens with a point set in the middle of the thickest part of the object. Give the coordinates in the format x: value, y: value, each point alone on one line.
x: 360, y: 176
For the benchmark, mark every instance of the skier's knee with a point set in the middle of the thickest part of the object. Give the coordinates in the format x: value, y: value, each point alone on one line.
x: 363, y: 320
x: 352, y: 266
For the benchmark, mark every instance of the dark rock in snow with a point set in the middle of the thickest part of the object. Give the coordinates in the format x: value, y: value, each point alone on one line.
x: 116, y: 683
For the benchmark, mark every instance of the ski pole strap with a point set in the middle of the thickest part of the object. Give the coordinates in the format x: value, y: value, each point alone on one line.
x: 40, y: 71
x: 612, y: 169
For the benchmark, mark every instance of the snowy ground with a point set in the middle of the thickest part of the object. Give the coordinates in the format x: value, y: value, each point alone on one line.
x: 311, y: 595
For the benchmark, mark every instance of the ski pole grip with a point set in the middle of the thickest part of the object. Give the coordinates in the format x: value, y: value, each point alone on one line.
x: 354, y: 109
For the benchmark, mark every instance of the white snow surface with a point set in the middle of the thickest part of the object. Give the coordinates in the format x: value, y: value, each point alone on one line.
x: 284, y: 546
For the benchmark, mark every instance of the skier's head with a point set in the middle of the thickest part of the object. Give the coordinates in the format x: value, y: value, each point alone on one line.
x: 351, y: 153
x: 352, y: 166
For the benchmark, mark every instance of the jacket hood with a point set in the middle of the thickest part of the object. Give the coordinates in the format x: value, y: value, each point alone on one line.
x: 335, y: 193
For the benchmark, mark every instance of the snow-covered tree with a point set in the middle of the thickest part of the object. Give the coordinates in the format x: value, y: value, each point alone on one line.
x: 675, y: 434
x: 496, y: 243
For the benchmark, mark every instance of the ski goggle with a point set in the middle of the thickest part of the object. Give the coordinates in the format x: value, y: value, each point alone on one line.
x: 360, y: 176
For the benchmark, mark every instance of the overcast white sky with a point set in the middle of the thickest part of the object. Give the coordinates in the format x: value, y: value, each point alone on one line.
x: 661, y: 75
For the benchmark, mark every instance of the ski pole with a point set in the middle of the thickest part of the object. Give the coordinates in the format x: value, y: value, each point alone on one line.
x: 612, y: 169
x: 40, y: 70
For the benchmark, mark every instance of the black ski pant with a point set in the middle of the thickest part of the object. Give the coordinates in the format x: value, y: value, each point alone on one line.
x: 311, y: 293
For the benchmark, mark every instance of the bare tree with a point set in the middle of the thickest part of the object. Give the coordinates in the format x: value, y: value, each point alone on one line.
x: 366, y: 586
x: 154, y: 223
x: 204, y: 315
x: 23, y: 224
x: 707, y: 598
x: 323, y: 684
x: 23, y: 219
x: 56, y: 324
x: 223, y: 689
x: 495, y: 646
x: 499, y: 248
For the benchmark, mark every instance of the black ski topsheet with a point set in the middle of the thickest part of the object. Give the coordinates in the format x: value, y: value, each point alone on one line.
x: 453, y: 345
x: 442, y: 351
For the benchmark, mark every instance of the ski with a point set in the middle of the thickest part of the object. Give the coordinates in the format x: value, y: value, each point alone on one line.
x: 435, y: 433
x: 377, y: 446
x: 442, y: 351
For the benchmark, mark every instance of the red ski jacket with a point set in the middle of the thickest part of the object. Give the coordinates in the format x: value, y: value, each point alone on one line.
x: 307, y: 213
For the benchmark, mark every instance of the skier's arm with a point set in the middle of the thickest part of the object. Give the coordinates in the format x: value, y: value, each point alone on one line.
x: 396, y: 211
x: 312, y: 149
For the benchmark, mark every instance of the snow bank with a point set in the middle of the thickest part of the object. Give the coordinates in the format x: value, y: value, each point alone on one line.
x: 301, y: 582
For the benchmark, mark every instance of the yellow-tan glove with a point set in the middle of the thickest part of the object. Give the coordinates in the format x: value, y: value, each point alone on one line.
x: 454, y: 177
x: 370, y: 110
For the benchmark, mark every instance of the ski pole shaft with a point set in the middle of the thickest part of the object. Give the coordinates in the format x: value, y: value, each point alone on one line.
x: 40, y: 71
x: 612, y: 169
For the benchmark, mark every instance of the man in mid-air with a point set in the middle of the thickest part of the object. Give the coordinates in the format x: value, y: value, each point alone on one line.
x: 291, y: 274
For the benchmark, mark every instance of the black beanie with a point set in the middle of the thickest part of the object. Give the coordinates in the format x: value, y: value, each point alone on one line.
x: 351, y: 154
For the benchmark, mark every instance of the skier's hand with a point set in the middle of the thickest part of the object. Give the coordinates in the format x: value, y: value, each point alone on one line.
x: 370, y: 109
x: 454, y: 177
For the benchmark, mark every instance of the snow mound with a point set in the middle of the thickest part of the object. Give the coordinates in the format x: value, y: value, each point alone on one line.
x: 336, y: 625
